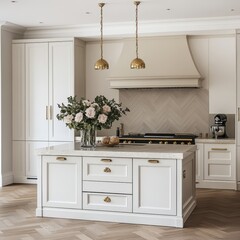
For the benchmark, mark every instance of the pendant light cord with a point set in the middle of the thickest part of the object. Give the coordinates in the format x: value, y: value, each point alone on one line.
x: 101, y: 29
x: 137, y: 3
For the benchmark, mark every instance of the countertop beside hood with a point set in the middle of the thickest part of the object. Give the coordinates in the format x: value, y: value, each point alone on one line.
x: 168, y: 62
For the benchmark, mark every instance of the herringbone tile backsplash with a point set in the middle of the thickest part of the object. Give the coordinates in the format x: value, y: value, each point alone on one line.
x: 166, y: 110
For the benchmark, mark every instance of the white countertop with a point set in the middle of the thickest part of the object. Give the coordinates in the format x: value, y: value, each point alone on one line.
x: 216, y: 141
x: 121, y: 150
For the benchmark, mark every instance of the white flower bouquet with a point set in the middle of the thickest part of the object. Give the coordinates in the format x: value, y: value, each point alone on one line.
x: 84, y: 114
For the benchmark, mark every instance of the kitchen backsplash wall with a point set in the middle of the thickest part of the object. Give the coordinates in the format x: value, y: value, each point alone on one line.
x: 166, y: 110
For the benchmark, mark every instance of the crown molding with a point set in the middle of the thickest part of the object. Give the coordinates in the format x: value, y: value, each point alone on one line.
x: 13, y: 28
x: 193, y: 26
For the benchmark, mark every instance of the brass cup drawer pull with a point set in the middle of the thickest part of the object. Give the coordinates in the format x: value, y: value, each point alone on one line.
x: 107, y: 199
x: 107, y: 170
x: 219, y: 149
x: 106, y: 160
x: 153, y: 161
x: 61, y: 158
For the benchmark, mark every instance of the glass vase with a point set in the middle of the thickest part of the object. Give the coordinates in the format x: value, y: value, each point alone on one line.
x: 88, y: 138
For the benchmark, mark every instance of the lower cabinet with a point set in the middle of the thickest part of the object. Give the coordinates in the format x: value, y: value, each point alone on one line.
x: 216, y: 166
x: 154, y: 186
x: 61, y: 179
x: 117, y: 189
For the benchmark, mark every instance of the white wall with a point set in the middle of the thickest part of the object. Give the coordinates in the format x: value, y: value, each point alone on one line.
x: 6, y: 106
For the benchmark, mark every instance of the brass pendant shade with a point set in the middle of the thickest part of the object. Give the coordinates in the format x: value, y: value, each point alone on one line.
x: 101, y: 64
x: 137, y: 63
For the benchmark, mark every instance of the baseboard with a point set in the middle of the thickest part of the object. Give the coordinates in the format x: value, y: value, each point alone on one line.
x: 6, y: 179
x: 217, y: 184
x: 23, y: 179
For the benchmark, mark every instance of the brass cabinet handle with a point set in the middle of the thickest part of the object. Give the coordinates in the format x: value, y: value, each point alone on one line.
x: 51, y: 112
x: 221, y: 149
x: 46, y: 112
x: 106, y: 160
x: 107, y: 199
x: 61, y: 158
x: 107, y: 169
x: 184, y: 174
x: 153, y: 161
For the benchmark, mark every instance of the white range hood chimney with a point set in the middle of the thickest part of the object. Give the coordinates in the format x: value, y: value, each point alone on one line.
x: 168, y: 64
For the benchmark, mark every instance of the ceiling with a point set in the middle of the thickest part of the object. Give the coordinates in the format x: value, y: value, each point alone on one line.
x: 46, y: 13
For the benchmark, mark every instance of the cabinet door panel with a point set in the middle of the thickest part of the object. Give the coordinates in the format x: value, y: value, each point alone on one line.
x: 36, y: 91
x: 220, y: 161
x: 154, y: 187
x: 62, y: 185
x: 18, y: 92
x: 61, y: 86
x: 19, y: 161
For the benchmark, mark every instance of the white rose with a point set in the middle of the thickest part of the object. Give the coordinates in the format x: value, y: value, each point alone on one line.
x: 90, y: 112
x: 94, y: 105
x: 106, y: 108
x: 68, y: 118
x: 86, y: 102
x: 79, y: 117
x: 102, y: 118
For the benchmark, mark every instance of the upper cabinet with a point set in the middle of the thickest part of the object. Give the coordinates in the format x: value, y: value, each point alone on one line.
x: 45, y: 73
x: 222, y: 75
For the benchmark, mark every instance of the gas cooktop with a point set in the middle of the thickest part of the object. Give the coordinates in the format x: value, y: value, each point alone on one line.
x: 159, y: 138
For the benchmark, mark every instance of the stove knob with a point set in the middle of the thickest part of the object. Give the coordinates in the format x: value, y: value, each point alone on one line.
x: 161, y: 142
x: 129, y: 142
x: 182, y: 143
x: 150, y: 142
x: 189, y: 143
x: 166, y: 142
x: 175, y: 142
x: 125, y: 141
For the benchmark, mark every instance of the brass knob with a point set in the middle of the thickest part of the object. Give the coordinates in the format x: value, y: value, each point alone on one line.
x: 189, y: 143
x: 107, y: 169
x: 175, y: 142
x: 161, y: 142
x: 166, y: 142
x: 182, y: 143
x: 107, y: 199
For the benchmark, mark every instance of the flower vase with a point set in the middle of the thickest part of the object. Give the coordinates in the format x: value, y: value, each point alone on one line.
x: 88, y: 138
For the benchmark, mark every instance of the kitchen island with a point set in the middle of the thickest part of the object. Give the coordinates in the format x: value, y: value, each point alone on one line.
x: 137, y: 183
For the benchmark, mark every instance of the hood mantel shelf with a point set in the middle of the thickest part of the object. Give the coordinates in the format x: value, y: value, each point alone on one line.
x: 168, y: 64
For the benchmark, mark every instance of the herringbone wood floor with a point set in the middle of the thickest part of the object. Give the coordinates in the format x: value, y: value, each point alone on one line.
x: 217, y: 216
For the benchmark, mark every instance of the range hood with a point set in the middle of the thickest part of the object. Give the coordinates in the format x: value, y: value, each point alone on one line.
x: 169, y: 64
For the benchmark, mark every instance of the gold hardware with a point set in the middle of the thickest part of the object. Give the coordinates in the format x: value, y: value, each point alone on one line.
x: 153, y: 161
x: 184, y: 174
x: 137, y: 63
x: 106, y: 160
x: 107, y: 199
x: 107, y: 169
x: 61, y: 158
x: 220, y: 149
x: 51, y: 112
x: 101, y: 64
x: 238, y: 114
x: 46, y: 112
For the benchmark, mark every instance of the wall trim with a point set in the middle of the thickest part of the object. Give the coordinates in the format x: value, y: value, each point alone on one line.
x: 6, y: 179
x: 193, y: 26
x: 13, y: 28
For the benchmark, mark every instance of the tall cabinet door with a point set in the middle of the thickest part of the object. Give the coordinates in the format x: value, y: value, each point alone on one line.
x: 18, y: 92
x: 37, y: 91
x: 154, y: 186
x: 61, y: 86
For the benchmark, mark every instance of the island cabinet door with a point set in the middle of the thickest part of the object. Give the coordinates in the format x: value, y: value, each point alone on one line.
x: 62, y: 185
x: 154, y: 186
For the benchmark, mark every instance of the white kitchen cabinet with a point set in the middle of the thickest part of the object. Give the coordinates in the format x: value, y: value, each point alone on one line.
x: 217, y: 163
x: 152, y: 178
x: 45, y: 73
x: 62, y: 186
x: 222, y: 75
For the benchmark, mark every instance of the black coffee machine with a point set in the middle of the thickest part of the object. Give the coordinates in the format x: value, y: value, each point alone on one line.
x: 218, y: 130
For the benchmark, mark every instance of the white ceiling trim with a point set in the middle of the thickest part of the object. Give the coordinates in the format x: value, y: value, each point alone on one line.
x: 10, y: 27
x: 148, y: 28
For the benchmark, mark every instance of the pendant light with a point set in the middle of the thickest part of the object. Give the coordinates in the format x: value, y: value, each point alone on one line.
x: 101, y: 64
x: 137, y: 63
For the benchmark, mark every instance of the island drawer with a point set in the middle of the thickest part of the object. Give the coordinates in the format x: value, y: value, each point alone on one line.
x: 107, y: 169
x: 107, y: 187
x: 107, y: 202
